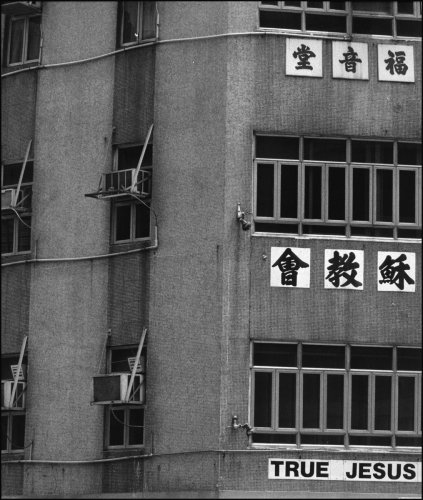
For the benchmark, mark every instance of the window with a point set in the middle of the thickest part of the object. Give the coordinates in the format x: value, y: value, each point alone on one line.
x: 16, y: 224
x: 23, y: 39
x: 340, y: 187
x: 137, y: 22
x: 393, y: 19
x: 337, y: 395
x: 12, y: 419
x: 125, y: 423
x: 131, y: 218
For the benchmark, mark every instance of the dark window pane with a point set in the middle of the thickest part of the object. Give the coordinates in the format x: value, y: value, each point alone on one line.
x: 12, y: 172
x: 142, y: 221
x: 275, y: 354
x: 289, y: 191
x: 119, y: 359
x: 359, y: 402
x: 136, y: 433
x: 372, y: 26
x: 16, y: 41
x: 292, y: 4
x: 407, y: 196
x: 280, y: 20
x: 276, y: 228
x: 269, y: 3
x: 337, y: 5
x: 409, y: 154
x: 383, y: 403
x: 262, y: 399
x: 325, y: 149
x: 130, y: 22
x: 376, y: 7
x: 335, y: 402
x: 117, y: 427
x: 287, y: 399
x: 34, y: 38
x: 286, y: 148
x: 24, y: 234
x: 374, y: 232
x: 384, y: 190
x: 405, y: 8
x: 409, y: 233
x: 315, y: 5
x: 372, y: 152
x: 361, y: 194
x: 4, y: 429
x: 123, y: 222
x: 18, y: 432
x: 371, y: 358
x: 311, y: 401
x: 370, y: 440
x: 7, y: 227
x: 406, y: 403
x: 313, y: 192
x: 6, y: 367
x: 336, y: 193
x: 321, y: 439
x: 408, y: 441
x: 265, y: 190
x: 323, y: 356
x: 409, y: 359
x: 409, y: 28
x: 312, y: 229
x: 149, y: 20
x: 316, y: 22
x: 274, y: 438
x: 129, y: 157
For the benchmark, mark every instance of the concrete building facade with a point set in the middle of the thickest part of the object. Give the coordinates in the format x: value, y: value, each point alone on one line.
x: 270, y: 250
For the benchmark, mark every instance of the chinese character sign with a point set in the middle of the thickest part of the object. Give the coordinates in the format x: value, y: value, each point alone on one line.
x: 290, y: 267
x: 396, y: 272
x: 350, y: 60
x: 344, y: 269
x: 304, y: 57
x: 396, y: 63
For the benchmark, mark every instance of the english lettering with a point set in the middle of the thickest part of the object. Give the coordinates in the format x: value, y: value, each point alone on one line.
x: 291, y: 467
x: 364, y: 470
x: 310, y: 473
x: 353, y: 473
x: 409, y: 471
x: 379, y: 472
x: 322, y: 469
x: 391, y: 475
x: 277, y: 464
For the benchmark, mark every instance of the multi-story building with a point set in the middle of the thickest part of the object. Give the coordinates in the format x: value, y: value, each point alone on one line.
x: 234, y: 309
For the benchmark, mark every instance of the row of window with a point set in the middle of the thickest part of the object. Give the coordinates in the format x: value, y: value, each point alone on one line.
x: 305, y: 394
x: 392, y: 19
x: 341, y: 187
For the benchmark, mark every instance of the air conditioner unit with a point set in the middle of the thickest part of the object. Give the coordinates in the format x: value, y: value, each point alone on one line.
x: 20, y: 8
x: 112, y: 388
x: 7, y: 198
x: 19, y: 401
x: 10, y: 201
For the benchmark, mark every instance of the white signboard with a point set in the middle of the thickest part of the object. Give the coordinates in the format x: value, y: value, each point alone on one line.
x: 396, y: 271
x: 345, y: 470
x: 350, y: 60
x: 290, y: 267
x: 304, y: 57
x: 344, y: 269
x: 395, y: 63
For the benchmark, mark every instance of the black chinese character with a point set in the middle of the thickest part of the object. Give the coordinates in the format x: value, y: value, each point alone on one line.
x: 303, y: 53
x: 340, y: 268
x: 289, y: 264
x: 393, y: 271
x: 396, y: 62
x: 350, y: 60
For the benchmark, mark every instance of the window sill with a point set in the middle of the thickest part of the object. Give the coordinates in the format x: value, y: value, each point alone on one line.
x: 12, y: 257
x: 335, y: 449
x: 334, y: 237
x: 131, y: 245
x: 19, y: 66
x: 124, y: 452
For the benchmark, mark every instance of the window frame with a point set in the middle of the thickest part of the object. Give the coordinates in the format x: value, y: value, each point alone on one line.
x: 140, y: 16
x: 10, y: 414
x: 349, y: 167
x: 348, y: 13
x: 25, y: 40
x: 347, y: 373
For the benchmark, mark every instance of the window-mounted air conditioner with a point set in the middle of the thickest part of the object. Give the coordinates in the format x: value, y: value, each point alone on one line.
x: 19, y: 401
x: 20, y: 8
x: 12, y: 199
x: 124, y: 180
x: 112, y: 388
